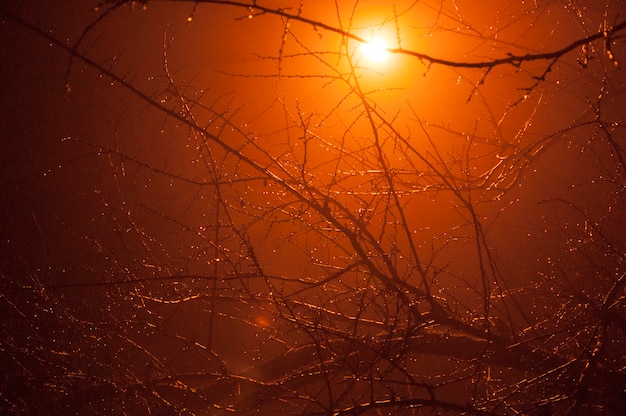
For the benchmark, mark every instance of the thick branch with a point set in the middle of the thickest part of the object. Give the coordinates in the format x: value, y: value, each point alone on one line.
x: 510, y: 59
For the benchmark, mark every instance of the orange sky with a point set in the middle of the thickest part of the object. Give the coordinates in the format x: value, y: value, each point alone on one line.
x: 100, y: 184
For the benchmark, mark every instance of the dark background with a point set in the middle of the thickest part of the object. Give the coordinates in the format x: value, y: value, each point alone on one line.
x: 108, y: 264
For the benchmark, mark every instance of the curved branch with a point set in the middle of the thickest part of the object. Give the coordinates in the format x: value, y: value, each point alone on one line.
x: 510, y: 59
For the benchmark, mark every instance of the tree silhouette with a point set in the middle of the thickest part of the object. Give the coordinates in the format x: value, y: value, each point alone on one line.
x: 312, y: 234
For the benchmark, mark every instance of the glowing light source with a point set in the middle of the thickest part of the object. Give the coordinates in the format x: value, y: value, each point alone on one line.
x: 375, y: 50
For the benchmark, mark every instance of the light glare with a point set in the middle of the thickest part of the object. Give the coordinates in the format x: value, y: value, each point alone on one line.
x: 375, y: 50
